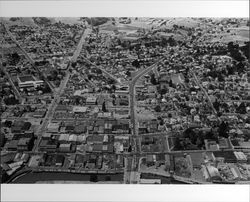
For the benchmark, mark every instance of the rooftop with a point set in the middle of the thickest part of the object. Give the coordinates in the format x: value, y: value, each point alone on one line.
x: 26, y: 78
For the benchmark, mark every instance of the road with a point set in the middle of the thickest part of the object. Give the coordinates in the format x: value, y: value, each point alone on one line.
x: 57, y: 94
x: 77, y: 52
x: 103, y: 70
x: 28, y: 57
x: 136, y: 142
x: 206, y: 94
x: 18, y: 95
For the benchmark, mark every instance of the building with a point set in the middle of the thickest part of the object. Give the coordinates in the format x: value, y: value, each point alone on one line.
x: 241, y: 157
x: 150, y: 181
x: 20, y: 126
x: 64, y: 138
x: 53, y: 127
x: 60, y: 160
x: 95, y: 139
x: 211, y: 173
x: 48, y: 145
x: 65, y: 147
x: 79, y: 109
x: 39, y: 113
x: 73, y: 138
x: 25, y: 144
x: 91, y: 100
x: 28, y: 81
x: 12, y: 146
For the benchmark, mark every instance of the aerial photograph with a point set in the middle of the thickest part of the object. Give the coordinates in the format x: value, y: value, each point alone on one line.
x: 124, y: 100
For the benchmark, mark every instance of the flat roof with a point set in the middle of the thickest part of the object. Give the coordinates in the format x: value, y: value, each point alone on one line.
x: 26, y: 78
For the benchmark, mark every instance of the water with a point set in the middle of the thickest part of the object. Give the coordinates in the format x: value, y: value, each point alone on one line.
x: 57, y: 176
x: 164, y: 180
x: 34, y: 177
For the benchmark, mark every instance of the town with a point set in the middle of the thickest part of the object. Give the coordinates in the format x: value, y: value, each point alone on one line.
x: 126, y: 100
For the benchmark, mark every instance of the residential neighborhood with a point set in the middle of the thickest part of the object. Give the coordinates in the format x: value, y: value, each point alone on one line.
x: 125, y: 100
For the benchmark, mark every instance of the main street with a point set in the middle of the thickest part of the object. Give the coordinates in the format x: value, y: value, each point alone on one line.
x: 59, y: 92
x: 134, y: 124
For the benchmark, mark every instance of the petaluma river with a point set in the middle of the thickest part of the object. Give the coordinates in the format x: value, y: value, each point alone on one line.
x: 34, y: 177
x: 59, y: 177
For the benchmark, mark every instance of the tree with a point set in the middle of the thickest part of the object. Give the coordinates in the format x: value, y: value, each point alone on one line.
x: 223, y: 129
x: 74, y: 64
x: 170, y: 83
x: 158, y: 108
x: 153, y: 80
x: 242, y: 108
x: 128, y: 73
x: 104, y: 107
x: 136, y: 63
x: 8, y: 123
x: 178, y: 144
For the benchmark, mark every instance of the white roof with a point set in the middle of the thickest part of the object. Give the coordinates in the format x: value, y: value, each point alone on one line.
x: 73, y: 138
x: 91, y: 99
x: 64, y: 137
x: 79, y: 109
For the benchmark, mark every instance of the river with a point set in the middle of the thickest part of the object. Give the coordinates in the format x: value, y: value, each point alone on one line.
x: 57, y: 177
x: 34, y: 177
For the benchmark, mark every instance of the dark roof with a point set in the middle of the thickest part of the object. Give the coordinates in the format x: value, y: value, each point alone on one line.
x: 227, y: 155
x: 80, y: 128
x: 235, y: 142
x: 120, y: 127
x: 13, y: 144
x: 62, y: 108
x: 97, y: 147
x: 60, y: 159
x: 69, y: 128
x: 95, y: 138
x: 26, y: 126
x: 26, y: 78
